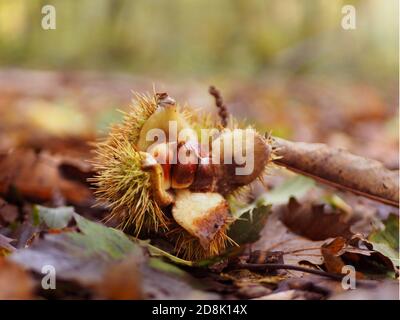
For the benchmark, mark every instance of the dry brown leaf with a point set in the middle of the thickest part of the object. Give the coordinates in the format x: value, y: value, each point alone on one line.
x: 296, y: 249
x: 36, y: 177
x: 357, y: 252
x: 316, y: 221
x: 8, y: 212
x: 331, y: 253
x: 121, y: 281
x: 15, y: 282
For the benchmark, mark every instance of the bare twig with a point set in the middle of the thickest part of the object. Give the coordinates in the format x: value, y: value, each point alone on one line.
x: 277, y: 266
x: 219, y: 102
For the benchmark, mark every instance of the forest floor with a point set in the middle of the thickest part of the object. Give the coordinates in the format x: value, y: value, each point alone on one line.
x: 47, y: 121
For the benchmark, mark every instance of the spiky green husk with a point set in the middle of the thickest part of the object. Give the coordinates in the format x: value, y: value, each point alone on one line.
x: 143, y: 107
x: 120, y: 182
x: 125, y: 187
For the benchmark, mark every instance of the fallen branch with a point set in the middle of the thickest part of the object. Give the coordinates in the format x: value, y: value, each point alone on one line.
x: 278, y: 266
x: 340, y: 169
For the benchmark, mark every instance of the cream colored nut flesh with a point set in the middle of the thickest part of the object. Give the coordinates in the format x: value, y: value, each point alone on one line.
x: 200, y: 214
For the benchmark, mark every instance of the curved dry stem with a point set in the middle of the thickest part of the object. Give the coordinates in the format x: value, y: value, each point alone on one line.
x: 340, y: 169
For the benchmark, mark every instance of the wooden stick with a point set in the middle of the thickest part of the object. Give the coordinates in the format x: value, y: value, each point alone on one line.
x: 340, y: 169
x: 276, y: 266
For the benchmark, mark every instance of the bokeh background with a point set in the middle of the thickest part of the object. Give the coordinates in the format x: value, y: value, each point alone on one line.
x: 284, y: 66
x: 204, y: 38
x: 287, y: 66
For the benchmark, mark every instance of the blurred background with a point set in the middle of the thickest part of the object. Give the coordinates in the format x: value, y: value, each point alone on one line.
x: 286, y: 66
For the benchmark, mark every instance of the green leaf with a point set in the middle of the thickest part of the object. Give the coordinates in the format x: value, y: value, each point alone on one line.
x: 250, y: 219
x: 81, y: 256
x: 35, y: 216
x: 293, y: 187
x: 386, y: 241
x: 96, y: 237
x: 159, y: 264
x: 157, y: 252
x: 247, y: 228
x: 88, y: 255
x: 54, y: 218
x: 338, y: 203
